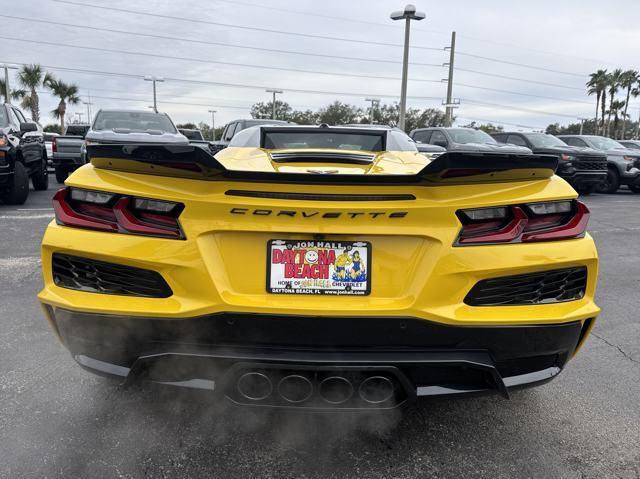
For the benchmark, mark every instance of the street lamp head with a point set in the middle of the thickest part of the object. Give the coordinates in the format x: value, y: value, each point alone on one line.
x: 271, y: 90
x: 409, y: 12
x: 152, y: 78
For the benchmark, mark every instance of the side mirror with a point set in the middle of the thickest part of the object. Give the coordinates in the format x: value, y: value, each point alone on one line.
x: 28, y: 126
x: 441, y: 143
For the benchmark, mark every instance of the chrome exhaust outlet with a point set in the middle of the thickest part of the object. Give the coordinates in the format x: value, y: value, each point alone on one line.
x: 376, y: 389
x: 335, y: 389
x: 295, y: 388
x: 254, y: 386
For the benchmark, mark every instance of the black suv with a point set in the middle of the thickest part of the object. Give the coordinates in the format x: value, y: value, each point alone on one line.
x: 583, y: 168
x: 22, y: 156
x: 463, y: 140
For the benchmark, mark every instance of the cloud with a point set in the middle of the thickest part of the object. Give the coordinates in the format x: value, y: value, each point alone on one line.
x: 571, y: 36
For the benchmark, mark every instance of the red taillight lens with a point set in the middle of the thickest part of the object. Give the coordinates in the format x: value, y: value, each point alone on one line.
x: 54, y: 145
x: 117, y: 213
x: 523, y: 223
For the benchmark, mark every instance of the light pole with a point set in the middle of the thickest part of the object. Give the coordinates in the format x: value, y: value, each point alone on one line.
x: 79, y: 115
x: 375, y: 102
x: 409, y: 13
x: 7, y: 90
x: 273, y: 105
x: 213, y: 123
x: 154, y: 80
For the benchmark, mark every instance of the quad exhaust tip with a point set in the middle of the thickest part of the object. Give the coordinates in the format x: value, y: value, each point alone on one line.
x: 298, y: 388
x: 376, y: 389
x: 295, y: 388
x: 335, y: 390
x: 254, y: 386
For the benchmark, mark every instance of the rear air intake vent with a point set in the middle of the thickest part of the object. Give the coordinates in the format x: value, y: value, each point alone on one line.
x: 536, y: 288
x: 317, y: 196
x: 93, y: 276
x: 320, y: 157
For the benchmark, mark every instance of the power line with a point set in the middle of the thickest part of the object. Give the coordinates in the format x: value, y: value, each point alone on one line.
x: 242, y: 27
x: 499, y: 122
x: 522, y: 94
x: 506, y: 62
x: 526, y: 80
x: 201, y: 60
x: 509, y: 107
x: 222, y: 44
x: 224, y: 84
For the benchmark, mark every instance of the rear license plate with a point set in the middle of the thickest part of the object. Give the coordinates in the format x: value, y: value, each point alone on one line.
x: 319, y: 267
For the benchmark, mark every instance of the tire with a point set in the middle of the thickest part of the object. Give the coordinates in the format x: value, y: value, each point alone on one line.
x: 40, y: 178
x: 611, y: 184
x: 18, y: 188
x: 61, y: 175
x: 635, y: 188
x: 586, y: 190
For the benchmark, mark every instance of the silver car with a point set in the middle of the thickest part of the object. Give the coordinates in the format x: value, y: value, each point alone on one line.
x: 622, y: 162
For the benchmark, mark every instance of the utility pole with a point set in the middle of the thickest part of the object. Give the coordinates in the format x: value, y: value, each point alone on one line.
x: 88, y: 103
x: 7, y: 90
x: 273, y: 104
x: 409, y: 13
x: 449, y: 107
x: 213, y: 123
x: 581, y: 125
x: 375, y: 102
x: 154, y: 80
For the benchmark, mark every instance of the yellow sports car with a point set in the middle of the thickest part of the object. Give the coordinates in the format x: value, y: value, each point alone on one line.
x: 319, y: 267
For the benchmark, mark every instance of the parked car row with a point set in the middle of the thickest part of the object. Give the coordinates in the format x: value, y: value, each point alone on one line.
x: 589, y: 163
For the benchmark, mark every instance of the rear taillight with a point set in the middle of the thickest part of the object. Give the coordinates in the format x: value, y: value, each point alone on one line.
x: 54, y: 145
x: 103, y: 211
x: 523, y: 223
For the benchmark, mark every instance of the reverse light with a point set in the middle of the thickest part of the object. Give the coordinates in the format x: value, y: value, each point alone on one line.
x: 523, y: 223
x: 104, y: 211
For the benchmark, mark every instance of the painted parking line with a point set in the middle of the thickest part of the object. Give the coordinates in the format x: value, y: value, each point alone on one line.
x: 35, y: 209
x: 26, y: 217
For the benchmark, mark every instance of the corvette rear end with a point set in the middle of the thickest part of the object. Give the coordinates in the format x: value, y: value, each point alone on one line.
x: 320, y: 268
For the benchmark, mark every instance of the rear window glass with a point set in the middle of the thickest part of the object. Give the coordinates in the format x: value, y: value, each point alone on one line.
x: 77, y: 130
x: 192, y: 134
x: 134, y: 121
x: 318, y: 139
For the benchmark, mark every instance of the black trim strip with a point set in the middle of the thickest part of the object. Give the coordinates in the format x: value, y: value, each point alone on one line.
x: 317, y: 196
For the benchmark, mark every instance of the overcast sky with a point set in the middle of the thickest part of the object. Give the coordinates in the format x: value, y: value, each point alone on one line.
x: 566, y: 39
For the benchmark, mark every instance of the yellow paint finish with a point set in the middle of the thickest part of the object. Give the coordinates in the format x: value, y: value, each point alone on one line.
x: 415, y: 270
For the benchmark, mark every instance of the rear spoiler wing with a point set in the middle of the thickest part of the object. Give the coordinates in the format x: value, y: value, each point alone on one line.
x: 196, y: 161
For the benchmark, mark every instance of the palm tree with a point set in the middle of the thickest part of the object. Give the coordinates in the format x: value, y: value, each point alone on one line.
x: 68, y: 93
x: 612, y: 88
x: 635, y: 93
x: 15, y: 94
x: 614, y: 109
x: 628, y: 80
x: 31, y: 77
x: 597, y: 84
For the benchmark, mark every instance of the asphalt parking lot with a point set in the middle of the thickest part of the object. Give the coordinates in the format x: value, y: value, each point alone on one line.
x: 58, y: 421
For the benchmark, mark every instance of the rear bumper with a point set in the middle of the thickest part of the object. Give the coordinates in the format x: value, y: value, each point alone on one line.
x: 417, y: 357
x: 585, y: 178
x: 67, y: 161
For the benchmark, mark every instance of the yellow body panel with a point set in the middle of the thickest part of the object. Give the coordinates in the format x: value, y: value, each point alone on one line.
x: 415, y: 270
